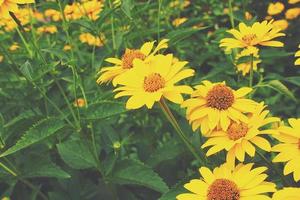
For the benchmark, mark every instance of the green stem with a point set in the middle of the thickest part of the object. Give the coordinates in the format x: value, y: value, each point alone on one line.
x: 112, y: 27
x: 158, y: 19
x: 231, y: 13
x: 180, y: 133
x: 7, y: 169
x: 251, y: 71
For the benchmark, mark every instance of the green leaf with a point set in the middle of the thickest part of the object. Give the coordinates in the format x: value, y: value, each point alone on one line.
x: 280, y: 87
x: 173, y: 192
x: 294, y: 79
x: 27, y: 70
x: 41, y: 167
x: 35, y: 134
x: 76, y: 154
x: 134, y: 172
x: 104, y: 109
x: 180, y: 34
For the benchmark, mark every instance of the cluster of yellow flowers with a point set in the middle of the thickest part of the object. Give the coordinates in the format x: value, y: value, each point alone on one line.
x: 277, y: 8
x: 226, y: 117
x: 23, y: 15
x: 91, y: 39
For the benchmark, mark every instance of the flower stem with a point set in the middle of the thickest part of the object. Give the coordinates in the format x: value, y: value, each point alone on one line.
x: 251, y: 71
x: 169, y: 115
x: 231, y: 13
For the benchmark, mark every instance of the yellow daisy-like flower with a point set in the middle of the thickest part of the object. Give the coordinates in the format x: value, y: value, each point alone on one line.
x: 297, y: 54
x: 7, y: 6
x: 275, y: 8
x: 92, y: 9
x: 178, y: 21
x: 247, y: 36
x: 289, y: 148
x: 15, y: 46
x: 213, y: 105
x: 53, y: 14
x: 246, y: 66
x: 292, y: 13
x: 148, y: 82
x: 241, y: 137
x: 47, y: 29
x: 226, y: 183
x: 126, y: 62
x: 289, y: 193
x: 91, y: 39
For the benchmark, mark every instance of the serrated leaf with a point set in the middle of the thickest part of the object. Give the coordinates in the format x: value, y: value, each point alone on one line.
x: 134, y: 172
x: 280, y: 87
x: 35, y: 134
x: 44, y: 168
x: 76, y: 154
x: 104, y: 109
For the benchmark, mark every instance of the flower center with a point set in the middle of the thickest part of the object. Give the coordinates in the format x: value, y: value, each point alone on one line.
x: 236, y: 131
x: 223, y: 189
x: 249, y: 38
x: 153, y: 82
x: 220, y: 97
x: 129, y: 56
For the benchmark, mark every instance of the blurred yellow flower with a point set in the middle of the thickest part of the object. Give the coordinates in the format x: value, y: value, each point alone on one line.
x: 292, y: 13
x: 281, y: 24
x: 67, y: 47
x: 180, y: 3
x: 91, y: 39
x: 213, y: 105
x: 80, y: 102
x: 1, y: 58
x: 23, y: 15
x: 7, y: 6
x: 241, y: 137
x: 92, y: 9
x: 288, y: 193
x: 275, y: 8
x: 148, y: 82
x: 178, y: 21
x: 289, y: 148
x: 225, y: 183
x: 248, y: 16
x: 53, y: 14
x: 293, y: 1
x: 249, y: 36
x: 72, y: 12
x: 297, y: 54
x: 47, y: 29
x: 14, y: 47
x: 126, y: 62
x: 246, y: 66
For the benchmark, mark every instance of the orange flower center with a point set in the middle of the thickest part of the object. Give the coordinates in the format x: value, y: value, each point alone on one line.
x: 129, y: 56
x: 236, y: 131
x: 153, y: 82
x: 249, y: 38
x: 220, y: 97
x: 223, y: 189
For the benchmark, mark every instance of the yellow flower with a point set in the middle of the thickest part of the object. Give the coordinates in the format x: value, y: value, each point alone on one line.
x: 245, y: 67
x: 248, y: 16
x: 23, y: 15
x: 72, y: 12
x: 275, y: 8
x: 289, y: 148
x: 91, y: 39
x: 53, y: 14
x: 224, y: 183
x: 293, y: 1
x: 47, y: 29
x: 7, y: 6
x: 1, y: 58
x: 14, y: 47
x: 213, y: 105
x: 289, y: 193
x: 248, y: 36
x: 148, y: 82
x: 281, y: 24
x: 180, y: 3
x: 92, y: 9
x: 292, y: 13
x: 79, y: 103
x: 67, y: 47
x: 178, y: 21
x: 241, y: 137
x: 126, y: 62
x: 297, y: 54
